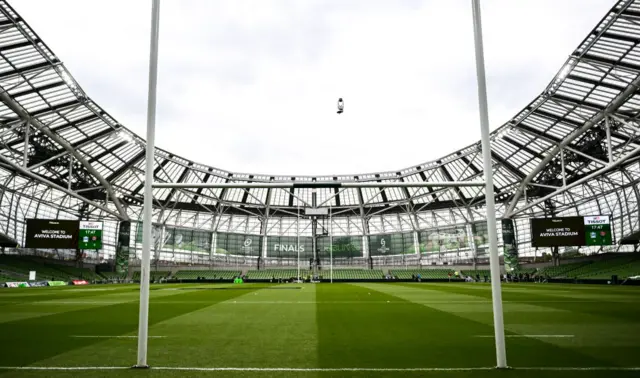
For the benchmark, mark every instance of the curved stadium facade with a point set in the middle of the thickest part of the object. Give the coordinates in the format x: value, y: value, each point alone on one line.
x: 573, y: 150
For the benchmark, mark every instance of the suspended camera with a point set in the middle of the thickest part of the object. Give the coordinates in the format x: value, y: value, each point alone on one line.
x: 340, y: 105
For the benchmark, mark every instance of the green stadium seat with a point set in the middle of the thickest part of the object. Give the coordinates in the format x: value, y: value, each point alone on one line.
x: 424, y: 273
x: 207, y: 274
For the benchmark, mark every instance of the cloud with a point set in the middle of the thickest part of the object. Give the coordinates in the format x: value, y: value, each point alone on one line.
x: 251, y: 85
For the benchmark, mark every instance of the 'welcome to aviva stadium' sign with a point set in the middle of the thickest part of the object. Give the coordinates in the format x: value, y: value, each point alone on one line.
x: 63, y: 234
x: 571, y: 231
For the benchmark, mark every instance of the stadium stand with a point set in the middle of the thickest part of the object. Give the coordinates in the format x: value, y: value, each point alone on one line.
x: 424, y: 273
x: 561, y: 271
x: 355, y: 274
x: 207, y: 274
x: 628, y: 270
x: 73, y: 272
x: 23, y: 265
x: 153, y: 275
x: 473, y: 273
x: 8, y: 277
x: 113, y: 276
x: 606, y: 268
x: 266, y: 274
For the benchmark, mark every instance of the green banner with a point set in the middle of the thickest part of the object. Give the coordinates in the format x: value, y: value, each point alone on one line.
x: 156, y: 231
x: 391, y: 244
x: 288, y: 246
x: 238, y: 244
x: 443, y: 240
x: 175, y: 239
x: 57, y: 283
x: 598, y: 230
x: 183, y: 240
x: 343, y: 246
x: 122, y: 247
x: 510, y: 247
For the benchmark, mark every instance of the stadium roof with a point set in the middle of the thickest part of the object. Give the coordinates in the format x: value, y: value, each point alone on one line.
x: 52, y: 132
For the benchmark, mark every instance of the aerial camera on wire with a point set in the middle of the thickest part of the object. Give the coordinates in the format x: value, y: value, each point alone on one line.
x: 340, y: 105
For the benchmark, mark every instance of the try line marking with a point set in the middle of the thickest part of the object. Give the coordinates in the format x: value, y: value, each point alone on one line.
x: 285, y: 369
x: 532, y: 336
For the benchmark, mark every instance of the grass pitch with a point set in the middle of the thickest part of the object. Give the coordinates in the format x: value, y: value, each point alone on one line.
x: 323, y: 330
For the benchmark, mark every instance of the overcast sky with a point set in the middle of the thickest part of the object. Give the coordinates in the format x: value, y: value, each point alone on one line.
x: 251, y: 86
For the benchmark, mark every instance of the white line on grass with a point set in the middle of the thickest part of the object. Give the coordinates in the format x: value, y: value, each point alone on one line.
x: 115, y: 337
x: 486, y: 302
x: 532, y: 336
x: 54, y: 302
x: 286, y: 369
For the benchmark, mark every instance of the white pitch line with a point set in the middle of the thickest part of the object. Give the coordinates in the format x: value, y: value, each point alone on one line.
x: 486, y: 302
x: 532, y: 336
x: 354, y: 369
x: 54, y: 302
x: 114, y: 337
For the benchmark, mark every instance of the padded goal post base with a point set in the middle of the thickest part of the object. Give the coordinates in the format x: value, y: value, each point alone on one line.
x: 141, y: 367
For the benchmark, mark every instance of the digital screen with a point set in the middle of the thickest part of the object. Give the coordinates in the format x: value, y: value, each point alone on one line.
x: 90, y: 235
x: 52, y: 234
x: 571, y: 231
x: 597, y: 230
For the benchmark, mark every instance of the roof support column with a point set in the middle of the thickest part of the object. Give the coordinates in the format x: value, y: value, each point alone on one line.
x: 608, y: 129
x: 471, y: 233
x: 365, y: 226
x: 71, y: 174
x: 564, y: 176
x: 27, y: 129
x: 265, y: 225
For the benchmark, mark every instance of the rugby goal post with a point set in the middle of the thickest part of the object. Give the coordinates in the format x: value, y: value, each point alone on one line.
x: 149, y: 185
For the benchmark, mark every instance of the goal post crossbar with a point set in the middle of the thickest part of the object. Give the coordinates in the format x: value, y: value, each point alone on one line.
x: 317, y: 185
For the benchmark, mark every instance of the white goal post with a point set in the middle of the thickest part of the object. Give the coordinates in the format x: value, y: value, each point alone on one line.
x: 143, y: 326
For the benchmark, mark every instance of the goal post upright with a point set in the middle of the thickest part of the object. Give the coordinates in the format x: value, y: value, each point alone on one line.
x: 330, y: 245
x: 494, y: 262
x: 298, y: 241
x: 147, y: 237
